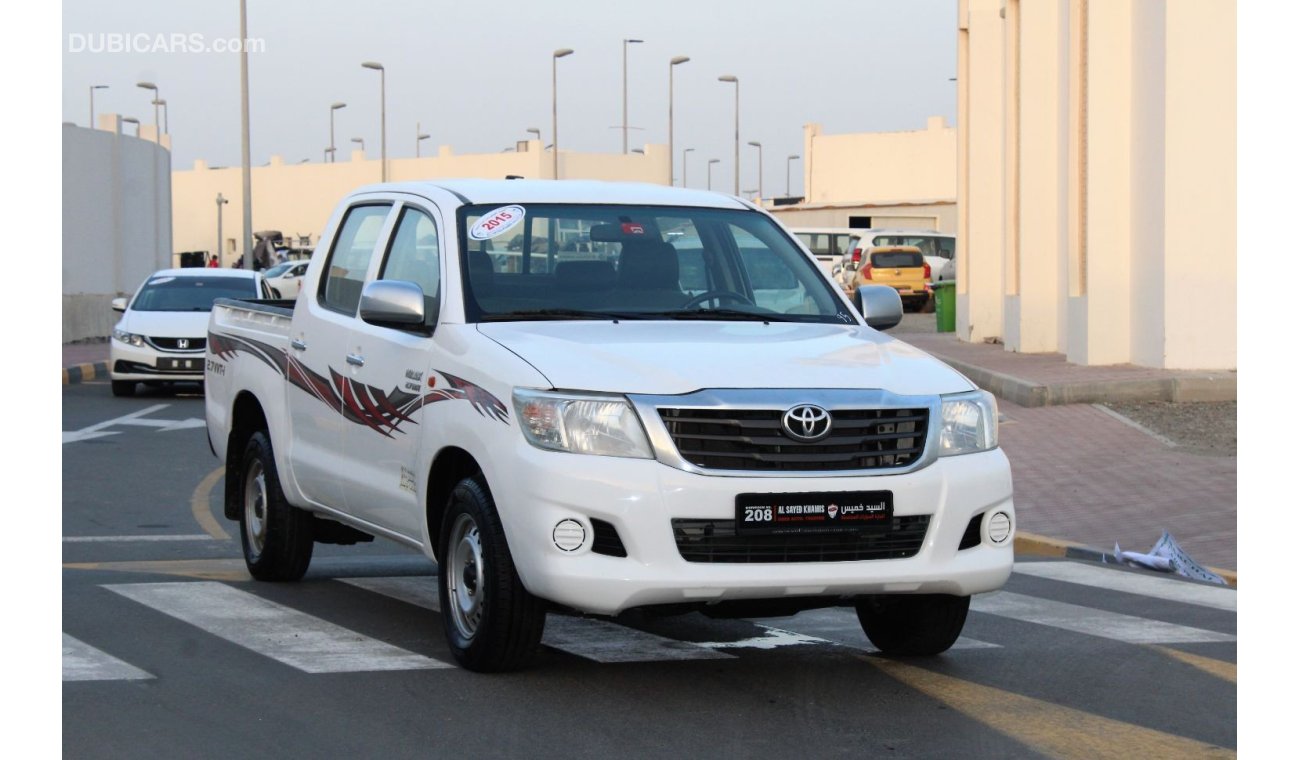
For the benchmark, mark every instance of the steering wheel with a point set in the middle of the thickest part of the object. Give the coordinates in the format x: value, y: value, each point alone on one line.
x: 709, y: 295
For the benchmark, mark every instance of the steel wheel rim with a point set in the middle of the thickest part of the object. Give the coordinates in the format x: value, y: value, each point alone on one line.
x: 463, y: 576
x: 255, y: 507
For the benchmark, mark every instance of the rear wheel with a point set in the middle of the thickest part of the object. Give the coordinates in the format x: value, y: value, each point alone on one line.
x: 277, y: 537
x: 492, y: 623
x: 124, y: 388
x: 913, y: 624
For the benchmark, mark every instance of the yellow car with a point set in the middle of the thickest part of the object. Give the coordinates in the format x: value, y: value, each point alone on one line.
x: 901, y: 267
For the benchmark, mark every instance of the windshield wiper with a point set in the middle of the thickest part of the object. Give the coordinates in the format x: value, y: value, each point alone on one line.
x: 720, y: 314
x: 556, y: 314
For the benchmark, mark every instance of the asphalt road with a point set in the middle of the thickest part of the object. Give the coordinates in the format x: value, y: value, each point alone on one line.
x: 171, y: 650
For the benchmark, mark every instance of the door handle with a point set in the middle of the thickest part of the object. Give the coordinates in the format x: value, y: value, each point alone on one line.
x: 356, y: 360
x: 298, y: 344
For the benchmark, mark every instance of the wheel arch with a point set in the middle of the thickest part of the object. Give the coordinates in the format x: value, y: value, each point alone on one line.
x: 247, y: 417
x: 449, y: 467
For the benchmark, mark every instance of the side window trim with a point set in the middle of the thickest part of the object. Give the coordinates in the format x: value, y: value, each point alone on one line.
x: 394, y: 225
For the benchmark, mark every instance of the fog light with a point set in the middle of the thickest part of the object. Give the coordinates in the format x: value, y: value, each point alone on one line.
x: 569, y: 535
x: 999, y: 527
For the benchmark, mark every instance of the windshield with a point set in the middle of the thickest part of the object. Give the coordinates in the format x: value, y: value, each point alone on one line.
x: 190, y: 293
x: 571, y: 261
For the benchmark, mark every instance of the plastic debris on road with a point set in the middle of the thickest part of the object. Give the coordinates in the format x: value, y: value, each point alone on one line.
x: 1168, y: 557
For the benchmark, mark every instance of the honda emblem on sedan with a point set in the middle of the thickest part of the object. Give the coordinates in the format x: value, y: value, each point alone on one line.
x: 806, y: 423
x: 183, y: 343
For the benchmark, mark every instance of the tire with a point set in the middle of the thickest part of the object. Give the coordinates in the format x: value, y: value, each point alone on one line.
x: 277, y: 537
x: 492, y: 623
x: 913, y: 625
x: 124, y: 388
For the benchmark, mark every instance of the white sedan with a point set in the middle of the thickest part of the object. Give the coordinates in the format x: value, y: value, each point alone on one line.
x: 162, y: 334
x: 285, y: 280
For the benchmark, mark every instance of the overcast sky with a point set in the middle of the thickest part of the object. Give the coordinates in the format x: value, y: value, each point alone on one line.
x: 477, y: 75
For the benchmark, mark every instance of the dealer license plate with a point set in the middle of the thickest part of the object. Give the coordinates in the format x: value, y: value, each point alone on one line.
x: 822, y: 512
x: 194, y: 364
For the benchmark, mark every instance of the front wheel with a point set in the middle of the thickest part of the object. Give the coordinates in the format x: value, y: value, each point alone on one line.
x: 492, y: 623
x: 276, y: 535
x: 913, y: 624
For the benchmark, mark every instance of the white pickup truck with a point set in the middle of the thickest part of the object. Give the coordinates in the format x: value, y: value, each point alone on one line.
x: 655, y: 400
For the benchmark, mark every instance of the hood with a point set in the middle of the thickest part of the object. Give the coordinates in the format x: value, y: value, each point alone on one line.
x: 682, y: 357
x: 166, y: 324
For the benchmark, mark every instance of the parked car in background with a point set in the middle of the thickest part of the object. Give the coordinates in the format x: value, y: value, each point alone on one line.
x: 938, y: 248
x: 285, y: 280
x: 901, y: 267
x: 826, y: 243
x: 163, y: 331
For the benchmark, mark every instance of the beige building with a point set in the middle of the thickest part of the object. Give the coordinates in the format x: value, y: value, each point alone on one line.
x: 1096, y: 179
x: 296, y: 199
x: 878, y: 179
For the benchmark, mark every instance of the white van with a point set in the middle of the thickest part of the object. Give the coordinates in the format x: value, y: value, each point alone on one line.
x: 828, y: 244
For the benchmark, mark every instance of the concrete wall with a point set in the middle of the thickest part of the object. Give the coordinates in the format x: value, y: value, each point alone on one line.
x: 1096, y: 179
x: 297, y: 199
x: 938, y: 215
x: 880, y: 167
x: 116, y: 221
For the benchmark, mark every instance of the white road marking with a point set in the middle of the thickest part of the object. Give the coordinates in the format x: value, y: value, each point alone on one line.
x: 134, y: 418
x: 1093, y: 622
x: 1114, y: 579
x: 839, y: 625
x: 771, y: 639
x: 294, y: 638
x: 124, y: 539
x: 82, y: 662
x: 599, y: 640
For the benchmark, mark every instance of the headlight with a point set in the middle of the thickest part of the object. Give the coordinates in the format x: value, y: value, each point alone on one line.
x: 970, y: 424
x: 131, y: 338
x: 580, y: 424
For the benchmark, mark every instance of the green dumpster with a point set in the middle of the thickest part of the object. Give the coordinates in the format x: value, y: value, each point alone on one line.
x: 945, y: 306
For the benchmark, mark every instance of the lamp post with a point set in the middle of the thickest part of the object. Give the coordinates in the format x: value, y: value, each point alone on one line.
x: 244, y: 148
x: 334, y: 107
x: 418, y: 137
x: 684, y: 152
x: 625, y: 44
x: 383, y: 117
x: 166, y: 118
x: 157, y: 126
x: 328, y: 156
x: 788, y: 159
x: 535, y: 131
x: 221, y: 201
x: 132, y: 120
x: 362, y: 141
x: 759, y: 145
x: 671, y: 63
x: 94, y: 87
x: 712, y: 161
x: 732, y: 79
x: 555, y: 118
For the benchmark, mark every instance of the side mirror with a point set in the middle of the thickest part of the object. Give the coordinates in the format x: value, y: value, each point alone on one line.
x: 393, y: 303
x: 880, y: 304
x: 119, y: 304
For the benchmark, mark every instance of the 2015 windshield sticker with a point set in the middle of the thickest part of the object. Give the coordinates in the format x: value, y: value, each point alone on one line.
x: 496, y: 222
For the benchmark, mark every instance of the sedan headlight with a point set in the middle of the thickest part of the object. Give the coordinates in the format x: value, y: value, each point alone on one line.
x: 129, y: 338
x: 970, y: 423
x: 581, y: 424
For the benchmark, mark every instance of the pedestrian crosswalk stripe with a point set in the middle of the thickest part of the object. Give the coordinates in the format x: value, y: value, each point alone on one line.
x: 82, y: 662
x: 1114, y: 579
x: 1087, y: 620
x: 1217, y: 668
x: 294, y: 638
x: 839, y: 625
x: 598, y: 640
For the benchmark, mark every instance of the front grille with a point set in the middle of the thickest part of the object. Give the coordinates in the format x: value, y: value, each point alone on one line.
x: 860, y: 439
x: 171, y: 344
x: 121, y: 366
x: 716, y: 541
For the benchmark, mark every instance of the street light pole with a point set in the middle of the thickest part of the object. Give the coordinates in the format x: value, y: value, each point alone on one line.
x: 166, y: 118
x: 731, y: 78
x: 675, y: 61
x: 132, y: 120
x: 712, y: 161
x: 625, y: 44
x: 94, y: 87
x: 362, y: 141
x: 684, y: 152
x: 418, y: 138
x: 221, y: 201
x: 383, y: 117
x: 760, y: 167
x: 244, y: 138
x: 157, y: 125
x: 555, y: 118
x: 334, y: 107
x: 788, y: 159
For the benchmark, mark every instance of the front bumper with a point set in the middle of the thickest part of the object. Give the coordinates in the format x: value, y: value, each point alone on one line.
x: 144, y: 363
x: 640, y: 498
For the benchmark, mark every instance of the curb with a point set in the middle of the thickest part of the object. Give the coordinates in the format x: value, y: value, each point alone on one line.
x: 80, y: 373
x: 1034, y: 545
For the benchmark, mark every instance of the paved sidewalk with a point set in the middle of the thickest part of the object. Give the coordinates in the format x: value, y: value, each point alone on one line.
x: 1081, y: 475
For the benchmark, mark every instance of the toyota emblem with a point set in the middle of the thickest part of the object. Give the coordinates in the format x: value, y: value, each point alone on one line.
x: 806, y: 423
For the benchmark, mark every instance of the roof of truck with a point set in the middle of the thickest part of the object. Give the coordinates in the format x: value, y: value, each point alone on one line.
x: 561, y: 191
